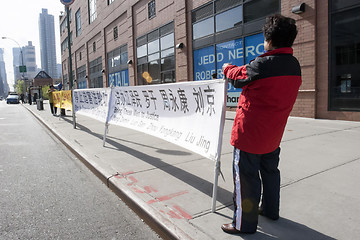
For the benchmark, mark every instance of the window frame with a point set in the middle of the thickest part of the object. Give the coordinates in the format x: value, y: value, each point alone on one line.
x: 143, y: 61
x: 151, y: 9
x: 78, y: 22
x: 92, y: 10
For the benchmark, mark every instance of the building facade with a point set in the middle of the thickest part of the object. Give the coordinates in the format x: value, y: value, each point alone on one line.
x: 47, y: 43
x: 137, y: 42
x: 4, y: 87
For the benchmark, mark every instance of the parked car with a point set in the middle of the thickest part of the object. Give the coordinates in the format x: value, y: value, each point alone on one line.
x: 12, y: 99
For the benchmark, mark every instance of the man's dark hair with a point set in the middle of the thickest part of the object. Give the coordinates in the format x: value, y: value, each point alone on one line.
x: 280, y: 30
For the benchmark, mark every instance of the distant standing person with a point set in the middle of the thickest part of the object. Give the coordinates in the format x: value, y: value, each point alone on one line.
x: 29, y: 97
x: 22, y: 98
x: 270, y: 85
x: 51, y: 100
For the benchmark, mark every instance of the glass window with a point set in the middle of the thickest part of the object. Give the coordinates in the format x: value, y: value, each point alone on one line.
x: 123, y: 58
x: 204, y: 63
x: 257, y: 9
x: 167, y: 63
x: 152, y: 9
x: 115, y: 32
x: 153, y: 57
x: 167, y: 41
x: 168, y: 77
x: 78, y: 22
x: 92, y: 10
x: 339, y: 4
x: 203, y: 28
x: 153, y: 46
x: 154, y: 71
x: 345, y: 61
x: 116, y: 61
x: 155, y: 54
x: 229, y: 19
x: 167, y: 53
x: 141, y: 51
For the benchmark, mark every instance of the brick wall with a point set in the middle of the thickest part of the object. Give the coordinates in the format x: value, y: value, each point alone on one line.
x: 304, y: 51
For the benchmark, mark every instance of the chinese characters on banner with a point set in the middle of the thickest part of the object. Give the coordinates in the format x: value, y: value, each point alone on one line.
x: 62, y: 99
x: 92, y: 102
x: 66, y: 100
x: 187, y: 114
x: 57, y: 99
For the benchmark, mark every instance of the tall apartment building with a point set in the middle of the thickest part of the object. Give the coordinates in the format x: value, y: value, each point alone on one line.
x: 47, y: 43
x: 16, y: 63
x: 4, y: 87
x: 137, y: 42
x: 30, y: 60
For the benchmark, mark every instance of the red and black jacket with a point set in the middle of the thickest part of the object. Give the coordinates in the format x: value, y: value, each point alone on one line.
x: 270, y: 86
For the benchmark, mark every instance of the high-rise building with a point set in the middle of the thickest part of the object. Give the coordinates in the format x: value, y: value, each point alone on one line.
x: 16, y: 63
x: 47, y: 43
x: 4, y: 87
x: 30, y: 60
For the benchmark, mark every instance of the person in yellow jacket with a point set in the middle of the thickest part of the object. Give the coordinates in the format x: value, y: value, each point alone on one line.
x: 51, y: 100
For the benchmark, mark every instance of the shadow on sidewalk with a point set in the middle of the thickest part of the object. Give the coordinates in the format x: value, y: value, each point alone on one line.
x: 284, y: 229
x: 204, y: 186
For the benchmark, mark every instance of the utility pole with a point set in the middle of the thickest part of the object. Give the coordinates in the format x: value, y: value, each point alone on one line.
x: 67, y: 3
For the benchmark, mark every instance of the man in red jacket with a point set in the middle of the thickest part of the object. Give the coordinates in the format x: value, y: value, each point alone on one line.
x: 270, y: 86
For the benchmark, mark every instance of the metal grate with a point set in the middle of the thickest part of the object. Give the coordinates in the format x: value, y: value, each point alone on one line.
x: 151, y: 9
x: 168, y: 28
x: 202, y: 13
x: 225, y: 4
x: 116, y: 33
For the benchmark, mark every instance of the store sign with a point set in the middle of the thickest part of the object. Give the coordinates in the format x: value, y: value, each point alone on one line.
x: 119, y: 79
x: 238, y: 52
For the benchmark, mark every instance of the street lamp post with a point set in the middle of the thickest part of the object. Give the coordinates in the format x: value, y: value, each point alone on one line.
x: 22, y: 56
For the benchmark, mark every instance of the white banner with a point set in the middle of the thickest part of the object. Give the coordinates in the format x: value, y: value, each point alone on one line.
x: 92, y: 102
x: 189, y: 114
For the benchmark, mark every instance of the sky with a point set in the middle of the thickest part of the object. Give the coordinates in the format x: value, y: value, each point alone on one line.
x: 19, y: 20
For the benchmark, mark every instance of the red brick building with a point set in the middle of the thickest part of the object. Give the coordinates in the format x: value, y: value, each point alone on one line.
x: 136, y: 42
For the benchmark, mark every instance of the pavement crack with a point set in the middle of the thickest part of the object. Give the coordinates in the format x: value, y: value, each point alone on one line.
x: 320, y: 172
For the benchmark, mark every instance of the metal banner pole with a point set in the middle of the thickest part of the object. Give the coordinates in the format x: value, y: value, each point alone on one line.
x: 218, y: 160
x: 72, y: 106
x: 105, y: 133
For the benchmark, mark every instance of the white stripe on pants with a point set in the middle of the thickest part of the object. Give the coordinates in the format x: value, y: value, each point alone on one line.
x: 237, y: 189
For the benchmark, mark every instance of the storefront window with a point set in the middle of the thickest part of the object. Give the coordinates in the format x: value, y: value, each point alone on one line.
x: 229, y: 19
x: 96, y: 78
x: 345, y: 60
x: 81, y: 77
x: 203, y: 28
x: 118, y: 67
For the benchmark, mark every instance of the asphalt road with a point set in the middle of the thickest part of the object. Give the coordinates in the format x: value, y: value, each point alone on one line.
x: 46, y: 193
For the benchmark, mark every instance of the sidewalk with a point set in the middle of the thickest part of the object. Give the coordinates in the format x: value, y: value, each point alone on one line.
x: 171, y: 188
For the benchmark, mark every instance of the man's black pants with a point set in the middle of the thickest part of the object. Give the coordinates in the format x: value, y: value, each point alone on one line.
x: 248, y: 186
